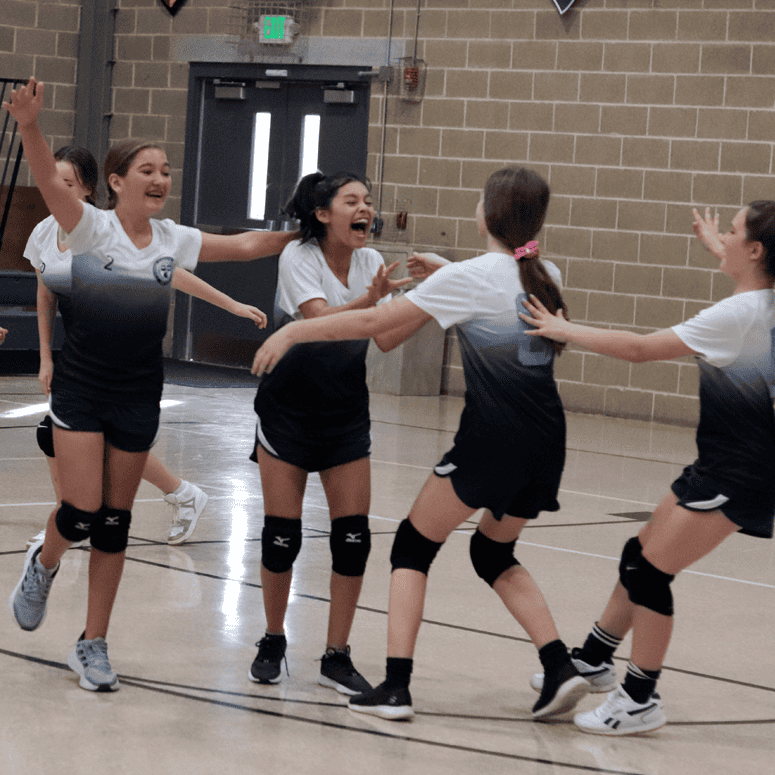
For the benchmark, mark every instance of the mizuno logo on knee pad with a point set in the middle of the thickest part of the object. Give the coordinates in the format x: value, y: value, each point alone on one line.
x: 353, y: 538
x: 282, y: 541
x: 82, y: 526
x: 112, y: 520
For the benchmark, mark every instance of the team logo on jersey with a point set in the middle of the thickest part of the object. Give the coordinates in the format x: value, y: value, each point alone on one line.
x: 162, y: 270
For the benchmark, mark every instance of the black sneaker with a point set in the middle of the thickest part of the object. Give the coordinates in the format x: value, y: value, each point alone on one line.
x: 392, y: 704
x: 338, y: 672
x: 266, y: 667
x: 561, y: 692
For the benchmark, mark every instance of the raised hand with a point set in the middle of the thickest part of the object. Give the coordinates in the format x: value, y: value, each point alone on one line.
x: 25, y: 102
x: 381, y: 284
x: 423, y: 265
x: 706, y: 229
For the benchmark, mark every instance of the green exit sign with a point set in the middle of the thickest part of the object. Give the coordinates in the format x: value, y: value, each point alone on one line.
x: 273, y: 29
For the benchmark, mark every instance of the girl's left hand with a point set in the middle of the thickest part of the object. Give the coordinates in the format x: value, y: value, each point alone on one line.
x: 25, y: 102
x: 706, y: 229
x: 381, y: 284
x: 253, y: 313
x: 554, y: 327
x: 271, y: 351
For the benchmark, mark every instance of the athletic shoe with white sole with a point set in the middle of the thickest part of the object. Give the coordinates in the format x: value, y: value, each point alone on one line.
x: 39, y: 537
x: 89, y: 659
x: 601, y: 678
x: 392, y: 704
x: 561, y: 692
x: 621, y: 715
x: 338, y: 672
x: 188, y: 502
x: 267, y: 666
x: 30, y: 596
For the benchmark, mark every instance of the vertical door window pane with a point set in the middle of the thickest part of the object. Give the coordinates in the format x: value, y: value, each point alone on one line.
x: 259, y: 166
x: 310, y: 141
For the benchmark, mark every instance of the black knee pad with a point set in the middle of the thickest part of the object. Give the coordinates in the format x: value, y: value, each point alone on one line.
x: 74, y: 524
x: 280, y: 543
x: 45, y: 436
x: 110, y: 531
x: 650, y: 587
x: 350, y: 543
x: 412, y: 550
x: 631, y: 553
x: 491, y: 558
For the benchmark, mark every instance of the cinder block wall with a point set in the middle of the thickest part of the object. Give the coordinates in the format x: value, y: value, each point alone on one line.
x: 634, y: 113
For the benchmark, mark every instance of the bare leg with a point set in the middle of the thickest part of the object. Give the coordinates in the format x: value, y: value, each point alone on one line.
x: 123, y: 472
x: 160, y: 476
x: 79, y: 467
x: 348, y: 492
x: 516, y: 587
x: 283, y: 487
x: 435, y: 514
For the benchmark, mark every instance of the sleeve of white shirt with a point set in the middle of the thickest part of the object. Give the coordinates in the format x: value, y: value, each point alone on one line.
x: 186, y: 243
x: 298, y: 277
x: 86, y: 231
x: 554, y: 273
x: 717, y: 333
x: 34, y: 246
x: 448, y: 295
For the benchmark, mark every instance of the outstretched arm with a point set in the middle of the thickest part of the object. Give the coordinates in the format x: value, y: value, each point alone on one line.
x: 24, y: 105
x: 189, y: 283
x: 399, y: 314
x: 423, y: 265
x: 624, y: 345
x: 244, y: 247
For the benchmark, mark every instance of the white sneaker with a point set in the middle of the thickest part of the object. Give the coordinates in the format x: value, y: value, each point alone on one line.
x: 601, y: 678
x: 39, y: 537
x: 188, y: 505
x: 621, y: 715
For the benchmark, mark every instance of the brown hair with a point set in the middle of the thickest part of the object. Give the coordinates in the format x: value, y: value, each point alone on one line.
x: 515, y: 203
x: 760, y: 226
x: 85, y: 167
x: 119, y: 160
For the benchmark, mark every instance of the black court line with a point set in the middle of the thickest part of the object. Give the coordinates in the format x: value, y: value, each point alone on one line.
x: 161, y: 688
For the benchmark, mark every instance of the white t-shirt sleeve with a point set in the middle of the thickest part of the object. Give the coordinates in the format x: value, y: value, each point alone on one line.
x: 553, y: 272
x: 298, y: 277
x: 86, y: 232
x: 35, y: 244
x: 186, y: 243
x: 717, y: 333
x: 449, y: 295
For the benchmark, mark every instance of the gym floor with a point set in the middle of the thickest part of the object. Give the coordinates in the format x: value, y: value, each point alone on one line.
x: 187, y: 618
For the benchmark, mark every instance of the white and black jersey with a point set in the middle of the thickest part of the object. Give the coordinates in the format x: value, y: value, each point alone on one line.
x: 513, y: 418
x: 55, y: 266
x: 118, y: 299
x: 735, y: 340
x: 318, y: 390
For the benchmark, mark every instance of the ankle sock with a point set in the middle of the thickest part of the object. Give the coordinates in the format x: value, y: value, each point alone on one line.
x: 553, y: 655
x: 599, y: 647
x: 639, y: 683
x: 398, y: 672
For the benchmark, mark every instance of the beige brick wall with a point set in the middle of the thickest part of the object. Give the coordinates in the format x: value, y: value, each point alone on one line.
x: 634, y: 115
x: 41, y: 39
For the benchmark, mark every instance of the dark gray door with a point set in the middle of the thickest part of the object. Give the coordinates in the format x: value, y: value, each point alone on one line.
x: 250, y: 129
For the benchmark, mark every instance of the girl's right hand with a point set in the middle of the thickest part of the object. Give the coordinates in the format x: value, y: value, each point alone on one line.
x: 25, y: 102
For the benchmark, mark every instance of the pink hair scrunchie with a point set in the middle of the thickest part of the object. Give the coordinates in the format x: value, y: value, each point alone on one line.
x: 525, y: 251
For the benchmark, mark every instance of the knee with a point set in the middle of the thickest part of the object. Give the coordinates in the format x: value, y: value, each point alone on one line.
x: 646, y: 585
x: 110, y: 531
x: 491, y: 558
x: 412, y: 550
x: 280, y: 543
x: 75, y: 524
x: 350, y: 543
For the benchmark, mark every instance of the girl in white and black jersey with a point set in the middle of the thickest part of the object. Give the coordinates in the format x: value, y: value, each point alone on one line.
x: 313, y: 416
x: 52, y: 262
x: 730, y: 488
x: 509, y: 451
x: 106, y: 388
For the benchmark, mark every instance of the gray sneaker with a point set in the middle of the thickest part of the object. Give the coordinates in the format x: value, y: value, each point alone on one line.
x: 28, y: 599
x: 89, y: 659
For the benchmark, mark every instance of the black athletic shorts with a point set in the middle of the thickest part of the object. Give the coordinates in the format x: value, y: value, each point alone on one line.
x: 753, y: 512
x: 315, y: 454
x: 128, y: 427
